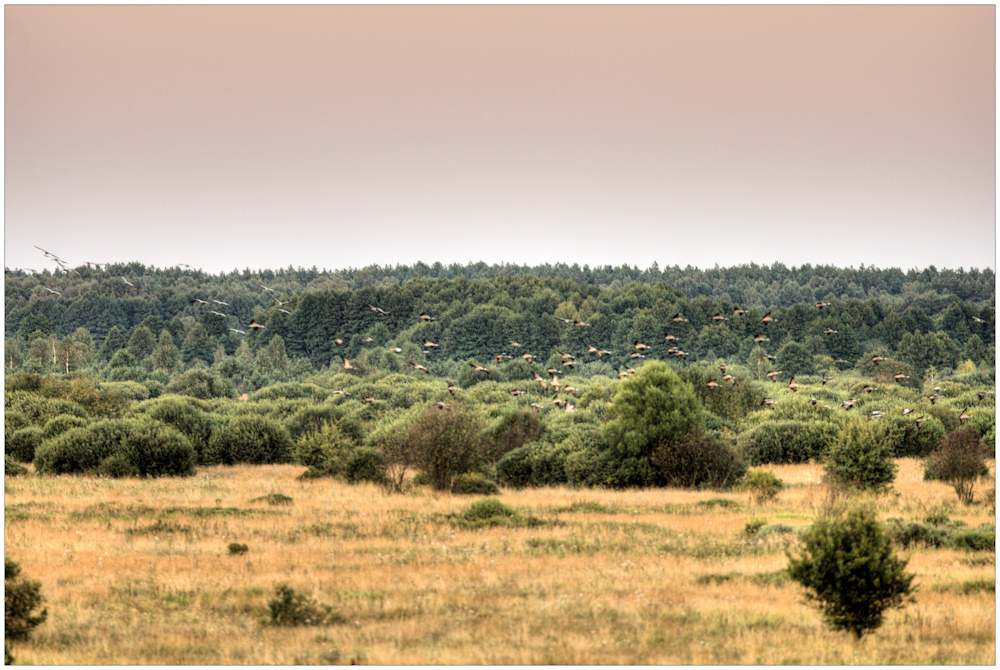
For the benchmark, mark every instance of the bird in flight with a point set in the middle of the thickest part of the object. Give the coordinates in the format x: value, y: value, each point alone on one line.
x: 964, y: 416
x: 200, y: 301
x: 730, y: 379
x: 719, y: 318
x: 127, y: 282
x: 739, y: 312
x: 347, y: 364
x: 829, y: 331
x: 670, y: 338
x: 478, y: 368
x: 975, y: 319
x: 284, y: 311
x: 451, y: 389
x: 759, y: 338
x: 678, y: 318
x: 378, y: 310
x: 237, y: 330
x: 255, y: 325
x: 769, y: 402
x: 773, y: 375
x: 219, y: 302
x: 217, y: 313
x: 427, y: 317
x: 417, y: 366
x: 431, y: 345
x: 267, y: 288
x: 51, y: 291
x: 712, y: 384
x: 920, y: 420
x: 877, y: 359
x: 792, y: 385
x: 827, y: 379
x: 821, y: 305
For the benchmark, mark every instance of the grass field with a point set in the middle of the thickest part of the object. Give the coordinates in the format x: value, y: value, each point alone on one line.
x: 139, y: 572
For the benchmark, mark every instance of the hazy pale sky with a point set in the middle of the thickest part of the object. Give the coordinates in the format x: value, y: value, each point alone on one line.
x: 266, y: 136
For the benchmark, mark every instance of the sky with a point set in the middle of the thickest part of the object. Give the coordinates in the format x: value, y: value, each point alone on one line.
x: 230, y: 137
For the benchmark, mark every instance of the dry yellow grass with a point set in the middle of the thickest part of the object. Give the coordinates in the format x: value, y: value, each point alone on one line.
x: 138, y: 572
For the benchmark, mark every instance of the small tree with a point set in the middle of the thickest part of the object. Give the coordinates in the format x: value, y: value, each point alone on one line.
x: 848, y: 568
x: 20, y: 598
x: 445, y: 444
x: 861, y: 459
x: 959, y: 462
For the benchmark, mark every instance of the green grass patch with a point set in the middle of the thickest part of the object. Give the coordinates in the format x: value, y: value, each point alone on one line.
x: 274, y: 499
x: 159, y: 527
x: 588, y: 506
x: 967, y: 587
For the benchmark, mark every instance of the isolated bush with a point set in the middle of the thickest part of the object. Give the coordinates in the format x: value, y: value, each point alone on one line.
x: 763, y: 485
x: 908, y: 533
x: 21, y: 597
x: 849, y: 570
x: 789, y: 442
x: 235, y: 548
x: 959, y: 462
x: 22, y: 444
x: 12, y: 468
x: 249, y: 439
x: 861, y: 459
x: 136, y: 446
x: 699, y: 459
x: 289, y: 608
x: 983, y: 538
x: 445, y: 443
x: 474, y: 483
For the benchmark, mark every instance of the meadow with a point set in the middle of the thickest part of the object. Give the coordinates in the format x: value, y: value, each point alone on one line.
x: 138, y: 571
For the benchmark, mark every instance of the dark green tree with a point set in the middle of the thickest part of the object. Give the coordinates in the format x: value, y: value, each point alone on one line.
x: 849, y: 570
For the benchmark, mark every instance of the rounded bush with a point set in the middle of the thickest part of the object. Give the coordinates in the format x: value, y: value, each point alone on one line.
x: 326, y: 450
x: 185, y: 415
x: 118, y: 447
x: 789, y: 442
x: 60, y: 424
x: 365, y: 465
x: 249, y: 439
x: 474, y: 483
x: 861, y: 458
x: 699, y: 459
x: 201, y: 384
x: 22, y: 444
x: 907, y: 441
x: 514, y: 469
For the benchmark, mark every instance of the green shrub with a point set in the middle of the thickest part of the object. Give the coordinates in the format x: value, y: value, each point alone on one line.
x: 20, y: 598
x: 959, y: 462
x: 763, y: 485
x: 187, y: 415
x: 314, y: 417
x: 511, y: 431
x: 275, y: 499
x: 249, y: 439
x: 118, y: 447
x: 787, y: 442
x: 289, y: 608
x: 489, y: 508
x: 12, y: 468
x: 201, y: 384
x: 515, y: 467
x: 983, y: 538
x: 444, y: 444
x: 908, y: 441
x: 908, y: 533
x: 699, y: 459
x: 474, y: 483
x: 849, y: 570
x: 60, y: 424
x: 235, y: 548
x: 22, y: 444
x: 861, y: 459
x: 326, y: 451
x: 365, y: 465
x: 650, y: 410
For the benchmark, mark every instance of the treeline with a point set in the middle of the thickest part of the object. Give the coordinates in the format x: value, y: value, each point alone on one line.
x: 97, y: 299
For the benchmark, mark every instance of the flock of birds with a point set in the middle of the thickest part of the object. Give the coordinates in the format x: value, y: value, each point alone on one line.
x: 569, y: 360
